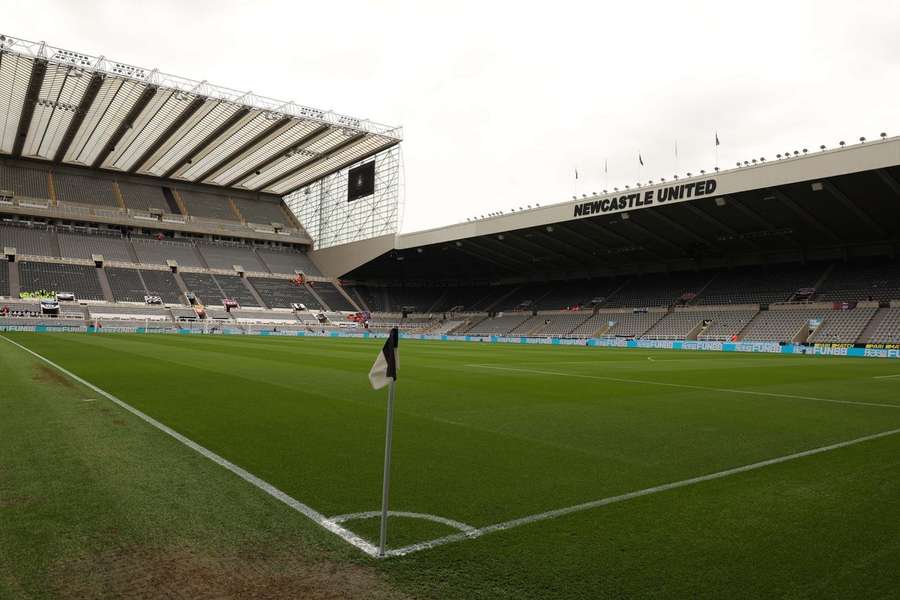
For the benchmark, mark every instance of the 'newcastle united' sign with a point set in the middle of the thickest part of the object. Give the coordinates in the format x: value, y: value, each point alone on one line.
x: 638, y: 199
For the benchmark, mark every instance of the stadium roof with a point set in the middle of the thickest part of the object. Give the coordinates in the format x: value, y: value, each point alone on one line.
x: 68, y: 107
x: 829, y: 204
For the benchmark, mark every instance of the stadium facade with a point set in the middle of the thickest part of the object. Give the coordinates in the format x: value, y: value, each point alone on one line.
x: 129, y: 196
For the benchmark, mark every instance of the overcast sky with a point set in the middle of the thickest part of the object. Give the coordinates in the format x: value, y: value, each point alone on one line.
x: 502, y: 101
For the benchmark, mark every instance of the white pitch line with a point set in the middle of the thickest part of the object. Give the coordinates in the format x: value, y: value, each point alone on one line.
x: 399, y: 513
x: 318, y: 518
x: 559, y: 512
x: 683, y: 385
x: 886, y: 376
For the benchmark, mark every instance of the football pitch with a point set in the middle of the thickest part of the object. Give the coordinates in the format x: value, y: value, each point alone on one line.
x: 527, y: 471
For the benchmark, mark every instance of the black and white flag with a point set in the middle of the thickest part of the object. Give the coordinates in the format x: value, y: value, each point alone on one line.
x: 384, y: 371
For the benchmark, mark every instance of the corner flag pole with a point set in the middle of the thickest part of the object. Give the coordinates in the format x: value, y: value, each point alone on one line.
x: 384, y: 373
x: 386, y: 486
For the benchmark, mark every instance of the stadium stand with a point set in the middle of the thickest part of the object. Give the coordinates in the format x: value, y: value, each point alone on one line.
x: 887, y: 329
x: 233, y: 287
x: 760, y: 285
x: 330, y: 295
x: 143, y: 197
x: 209, y: 206
x: 872, y: 280
x: 702, y: 323
x: 843, y: 326
x: 281, y: 293
x: 24, y: 181
x: 500, y: 325
x: 251, y: 316
x: 27, y: 239
x: 287, y: 261
x: 81, y: 280
x: 780, y: 324
x: 562, y: 324
x: 126, y: 284
x: 203, y: 286
x: 657, y: 289
x: 584, y: 292
x: 162, y: 284
x: 112, y: 246
x: 226, y: 255
x: 260, y: 211
x: 141, y: 313
x: 157, y: 252
x: 82, y: 189
x: 620, y: 323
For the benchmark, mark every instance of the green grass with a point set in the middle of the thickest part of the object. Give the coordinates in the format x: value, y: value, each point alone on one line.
x: 540, y: 428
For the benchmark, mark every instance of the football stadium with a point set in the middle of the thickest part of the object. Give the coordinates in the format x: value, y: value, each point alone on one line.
x: 685, y: 388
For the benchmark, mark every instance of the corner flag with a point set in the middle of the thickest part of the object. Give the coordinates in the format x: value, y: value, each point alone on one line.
x: 384, y: 371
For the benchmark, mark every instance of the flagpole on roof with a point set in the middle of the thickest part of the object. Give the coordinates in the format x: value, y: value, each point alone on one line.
x: 717, y: 150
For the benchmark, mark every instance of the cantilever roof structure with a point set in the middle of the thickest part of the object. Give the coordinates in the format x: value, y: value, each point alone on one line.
x: 67, y: 107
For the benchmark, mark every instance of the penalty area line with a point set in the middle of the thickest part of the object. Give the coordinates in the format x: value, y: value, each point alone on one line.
x: 559, y: 512
x: 315, y: 516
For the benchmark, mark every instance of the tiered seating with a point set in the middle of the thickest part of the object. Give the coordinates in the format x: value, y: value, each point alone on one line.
x: 81, y: 280
x: 210, y: 206
x: 184, y: 313
x: 281, y: 293
x: 260, y: 211
x: 155, y: 252
x: 760, y: 285
x: 421, y: 299
x: 498, y: 325
x: 888, y: 330
x: 4, y: 279
x: 330, y: 295
x: 565, y: 294
x: 726, y: 324
x: 679, y: 323
x: 526, y: 297
x: 203, y: 286
x: 143, y: 197
x: 874, y: 280
x: 528, y: 325
x: 126, y: 284
x: 138, y: 313
x: 780, y: 325
x: 162, y: 284
x: 84, y: 190
x: 221, y: 256
x: 235, y: 289
x: 83, y: 245
x: 250, y: 316
x: 374, y: 297
x: 624, y: 324
x: 563, y: 324
x: 34, y: 241
x: 843, y: 326
x: 24, y: 181
x: 657, y: 289
x: 287, y: 261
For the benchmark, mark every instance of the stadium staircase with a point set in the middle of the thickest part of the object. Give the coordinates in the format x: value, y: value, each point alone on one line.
x: 254, y: 293
x: 702, y: 288
x: 866, y: 334
x: 104, y: 285
x: 317, y: 297
x: 825, y: 276
x: 361, y: 302
x: 200, y: 257
x: 343, y: 292
x: 54, y: 242
x: 14, y: 287
x: 180, y: 283
x: 600, y: 330
x: 131, y: 251
x: 261, y: 260
x: 503, y: 297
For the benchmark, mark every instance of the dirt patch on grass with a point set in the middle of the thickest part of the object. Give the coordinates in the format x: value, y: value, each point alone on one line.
x: 45, y: 374
x: 119, y: 422
x: 182, y: 572
x: 13, y: 501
